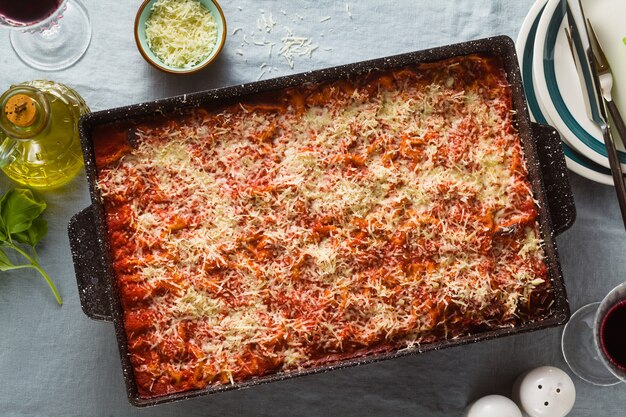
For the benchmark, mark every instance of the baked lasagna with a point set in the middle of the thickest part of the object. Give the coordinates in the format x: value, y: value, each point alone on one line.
x: 310, y: 225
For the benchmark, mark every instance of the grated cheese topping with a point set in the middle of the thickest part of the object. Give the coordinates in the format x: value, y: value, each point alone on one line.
x: 338, y: 220
x: 181, y: 33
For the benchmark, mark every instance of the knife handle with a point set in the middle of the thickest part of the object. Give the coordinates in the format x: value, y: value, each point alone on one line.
x: 616, y: 170
x: 618, y: 122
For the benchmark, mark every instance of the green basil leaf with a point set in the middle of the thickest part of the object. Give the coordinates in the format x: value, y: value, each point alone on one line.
x: 5, y: 263
x: 18, y: 208
x: 32, y: 236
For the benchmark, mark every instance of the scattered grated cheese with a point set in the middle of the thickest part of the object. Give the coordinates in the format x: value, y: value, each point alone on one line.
x: 291, y: 46
x: 295, y: 46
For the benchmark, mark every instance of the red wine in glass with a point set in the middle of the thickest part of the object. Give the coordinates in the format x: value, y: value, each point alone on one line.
x: 43, y: 40
x: 613, y: 335
x: 26, y: 12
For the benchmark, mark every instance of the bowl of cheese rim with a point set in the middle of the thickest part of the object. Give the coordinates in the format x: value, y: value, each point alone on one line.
x: 180, y: 36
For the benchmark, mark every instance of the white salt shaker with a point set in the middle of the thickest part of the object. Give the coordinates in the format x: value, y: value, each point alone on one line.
x: 546, y: 391
x: 492, y: 406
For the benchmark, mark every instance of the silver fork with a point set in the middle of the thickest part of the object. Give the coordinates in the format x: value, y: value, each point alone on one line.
x: 595, y: 103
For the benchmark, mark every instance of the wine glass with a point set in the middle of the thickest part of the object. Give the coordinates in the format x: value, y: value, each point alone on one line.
x: 594, y: 340
x: 47, y: 34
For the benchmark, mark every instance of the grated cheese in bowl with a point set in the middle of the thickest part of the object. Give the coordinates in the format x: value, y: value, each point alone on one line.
x: 181, y: 33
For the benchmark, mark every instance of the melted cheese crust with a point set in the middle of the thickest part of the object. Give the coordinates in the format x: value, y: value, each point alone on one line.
x: 332, y: 221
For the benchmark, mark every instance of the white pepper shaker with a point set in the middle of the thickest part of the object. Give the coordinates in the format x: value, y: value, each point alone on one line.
x: 545, y: 391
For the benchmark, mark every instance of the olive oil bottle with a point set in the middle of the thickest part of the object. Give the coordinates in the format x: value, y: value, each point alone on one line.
x: 39, y: 142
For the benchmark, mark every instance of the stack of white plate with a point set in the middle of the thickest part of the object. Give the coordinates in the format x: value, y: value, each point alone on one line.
x: 552, y: 85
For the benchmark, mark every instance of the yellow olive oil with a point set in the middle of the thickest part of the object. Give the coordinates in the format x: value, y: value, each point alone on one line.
x: 47, y: 151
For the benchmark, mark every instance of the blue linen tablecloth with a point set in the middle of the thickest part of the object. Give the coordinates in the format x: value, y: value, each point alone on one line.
x: 54, y: 361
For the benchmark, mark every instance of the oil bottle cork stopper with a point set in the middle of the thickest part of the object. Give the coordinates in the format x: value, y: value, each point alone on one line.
x: 21, y: 110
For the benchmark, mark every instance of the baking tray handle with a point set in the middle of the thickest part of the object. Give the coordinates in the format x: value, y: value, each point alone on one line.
x: 89, y: 266
x: 555, y: 178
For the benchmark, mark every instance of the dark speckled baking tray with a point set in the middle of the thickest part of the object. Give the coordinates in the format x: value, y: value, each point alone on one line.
x: 546, y: 165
